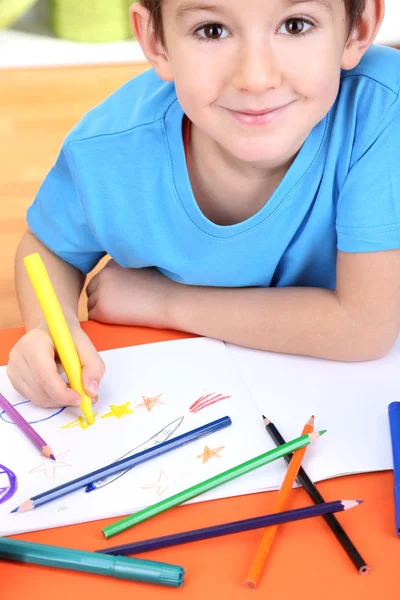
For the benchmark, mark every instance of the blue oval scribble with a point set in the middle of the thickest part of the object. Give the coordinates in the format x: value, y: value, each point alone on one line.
x: 31, y: 408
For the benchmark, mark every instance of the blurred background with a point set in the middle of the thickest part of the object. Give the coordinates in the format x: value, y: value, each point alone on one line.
x: 59, y: 58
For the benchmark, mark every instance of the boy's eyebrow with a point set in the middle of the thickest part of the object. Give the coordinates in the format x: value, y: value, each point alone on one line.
x: 189, y: 7
x: 323, y: 3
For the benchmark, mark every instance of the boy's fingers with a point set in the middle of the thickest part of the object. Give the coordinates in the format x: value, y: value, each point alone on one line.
x: 48, y: 386
x: 59, y: 394
x: 91, y: 286
x: 92, y: 365
x: 91, y: 303
x: 43, y: 398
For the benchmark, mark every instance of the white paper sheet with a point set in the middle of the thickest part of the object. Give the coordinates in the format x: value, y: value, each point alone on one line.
x: 350, y: 400
x: 179, y: 372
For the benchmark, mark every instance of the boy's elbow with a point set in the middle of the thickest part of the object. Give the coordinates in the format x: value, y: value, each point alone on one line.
x: 374, y: 347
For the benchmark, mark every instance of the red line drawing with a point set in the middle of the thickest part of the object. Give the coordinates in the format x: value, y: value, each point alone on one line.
x: 205, y: 401
x: 164, y: 483
x: 49, y: 467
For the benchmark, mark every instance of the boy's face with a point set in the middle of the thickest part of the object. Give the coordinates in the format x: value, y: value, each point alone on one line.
x: 256, y: 76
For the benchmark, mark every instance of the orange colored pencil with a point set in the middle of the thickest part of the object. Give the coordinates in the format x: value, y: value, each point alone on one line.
x: 283, y: 496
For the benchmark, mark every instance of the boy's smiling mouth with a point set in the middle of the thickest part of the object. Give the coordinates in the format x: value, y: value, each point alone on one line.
x: 248, y: 116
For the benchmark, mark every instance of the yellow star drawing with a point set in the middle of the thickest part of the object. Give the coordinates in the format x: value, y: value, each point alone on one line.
x: 118, y: 410
x: 209, y: 453
x: 49, y: 466
x: 150, y: 402
x: 164, y: 483
x: 79, y: 422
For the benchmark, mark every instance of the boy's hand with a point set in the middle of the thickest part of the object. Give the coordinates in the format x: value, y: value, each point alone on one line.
x: 34, y: 373
x: 130, y: 296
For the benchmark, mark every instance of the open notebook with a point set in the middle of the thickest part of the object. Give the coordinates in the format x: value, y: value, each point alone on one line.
x: 155, y: 391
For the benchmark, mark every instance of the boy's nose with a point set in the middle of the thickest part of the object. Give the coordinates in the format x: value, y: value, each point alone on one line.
x: 257, y: 69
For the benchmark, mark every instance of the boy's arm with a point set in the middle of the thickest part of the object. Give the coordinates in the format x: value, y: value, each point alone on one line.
x: 360, y: 320
x: 31, y: 368
x: 67, y: 281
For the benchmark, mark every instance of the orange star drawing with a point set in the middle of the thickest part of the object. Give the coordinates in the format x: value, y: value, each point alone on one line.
x: 79, y: 422
x: 209, y: 453
x: 49, y: 466
x: 118, y: 410
x: 150, y: 402
x: 164, y: 483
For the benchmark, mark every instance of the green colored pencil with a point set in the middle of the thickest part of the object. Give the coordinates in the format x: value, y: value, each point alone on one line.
x: 209, y: 484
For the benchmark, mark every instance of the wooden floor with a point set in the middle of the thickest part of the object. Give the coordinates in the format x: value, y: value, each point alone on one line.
x: 37, y: 109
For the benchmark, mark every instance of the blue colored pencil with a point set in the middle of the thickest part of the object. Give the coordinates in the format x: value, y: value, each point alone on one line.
x: 394, y: 420
x: 233, y: 527
x: 121, y: 465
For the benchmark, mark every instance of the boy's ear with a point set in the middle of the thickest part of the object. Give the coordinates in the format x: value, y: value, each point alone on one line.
x: 151, y: 45
x: 363, y: 33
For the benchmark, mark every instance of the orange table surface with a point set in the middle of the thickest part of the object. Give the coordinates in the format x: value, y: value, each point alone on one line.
x: 306, y: 560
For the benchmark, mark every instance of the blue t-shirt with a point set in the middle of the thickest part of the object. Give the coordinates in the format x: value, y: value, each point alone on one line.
x: 121, y: 186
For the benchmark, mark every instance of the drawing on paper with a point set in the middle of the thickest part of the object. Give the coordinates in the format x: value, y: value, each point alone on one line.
x: 210, y: 453
x: 157, y: 438
x: 31, y: 413
x: 49, y: 467
x: 118, y: 411
x: 150, y: 402
x: 164, y: 483
x: 79, y: 422
x: 206, y: 400
x: 8, y: 484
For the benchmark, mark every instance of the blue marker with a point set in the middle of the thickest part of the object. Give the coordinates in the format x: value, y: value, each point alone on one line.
x: 394, y: 420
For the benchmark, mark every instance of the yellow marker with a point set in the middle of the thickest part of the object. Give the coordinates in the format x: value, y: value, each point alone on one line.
x: 58, y: 329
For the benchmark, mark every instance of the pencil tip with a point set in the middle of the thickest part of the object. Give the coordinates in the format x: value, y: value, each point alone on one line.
x: 27, y: 505
x: 322, y: 431
x: 359, y: 501
x: 47, y: 452
x: 266, y: 420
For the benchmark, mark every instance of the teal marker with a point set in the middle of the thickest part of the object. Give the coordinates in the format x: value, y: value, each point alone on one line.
x: 121, y: 567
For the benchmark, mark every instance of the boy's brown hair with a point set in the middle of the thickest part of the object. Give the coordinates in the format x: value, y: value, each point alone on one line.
x: 354, y: 10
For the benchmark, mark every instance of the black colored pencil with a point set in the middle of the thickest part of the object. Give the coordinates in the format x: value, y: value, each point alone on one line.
x: 317, y: 498
x: 205, y: 533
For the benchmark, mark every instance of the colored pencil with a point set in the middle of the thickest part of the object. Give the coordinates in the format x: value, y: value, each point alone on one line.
x: 267, y: 539
x: 209, y: 484
x: 58, y: 328
x: 315, y: 495
x: 134, y: 569
x: 214, y: 531
x: 26, y: 428
x: 394, y: 420
x: 121, y: 465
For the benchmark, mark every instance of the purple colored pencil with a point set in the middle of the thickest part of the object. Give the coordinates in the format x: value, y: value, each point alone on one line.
x: 234, y: 527
x: 26, y: 428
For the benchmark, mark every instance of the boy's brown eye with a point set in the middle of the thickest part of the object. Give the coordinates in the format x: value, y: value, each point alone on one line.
x: 294, y: 26
x: 213, y: 31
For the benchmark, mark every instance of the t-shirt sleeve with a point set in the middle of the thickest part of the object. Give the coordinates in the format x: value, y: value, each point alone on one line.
x: 368, y: 210
x: 57, y: 218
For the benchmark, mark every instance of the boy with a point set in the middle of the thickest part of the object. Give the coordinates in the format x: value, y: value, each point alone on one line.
x: 246, y: 188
